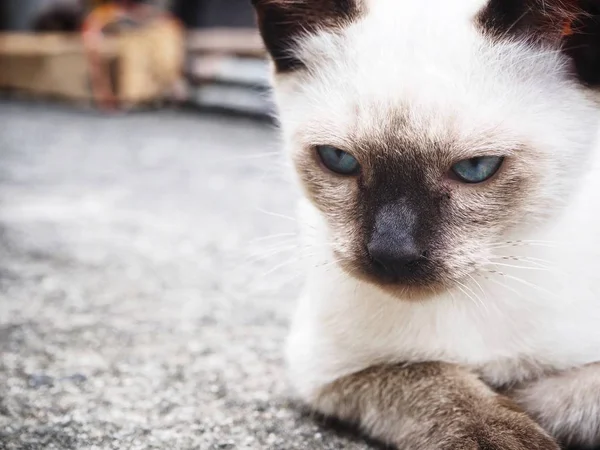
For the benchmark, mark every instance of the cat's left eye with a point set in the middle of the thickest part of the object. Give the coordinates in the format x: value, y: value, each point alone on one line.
x: 477, y: 170
x: 338, y: 161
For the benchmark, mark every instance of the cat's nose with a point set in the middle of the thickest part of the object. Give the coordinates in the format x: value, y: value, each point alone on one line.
x: 394, y: 248
x: 397, y: 257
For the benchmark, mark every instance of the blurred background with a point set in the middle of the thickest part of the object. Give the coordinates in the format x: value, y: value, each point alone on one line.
x: 148, y: 257
x: 128, y: 54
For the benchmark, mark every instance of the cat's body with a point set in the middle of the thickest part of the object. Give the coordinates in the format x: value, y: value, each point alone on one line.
x: 435, y: 306
x: 511, y: 336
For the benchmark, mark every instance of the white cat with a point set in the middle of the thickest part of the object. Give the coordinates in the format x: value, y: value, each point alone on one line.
x: 447, y: 150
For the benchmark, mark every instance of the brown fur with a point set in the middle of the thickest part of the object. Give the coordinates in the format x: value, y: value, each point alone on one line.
x: 400, y: 163
x: 573, y: 25
x: 282, y: 21
x: 534, y: 19
x: 431, y: 406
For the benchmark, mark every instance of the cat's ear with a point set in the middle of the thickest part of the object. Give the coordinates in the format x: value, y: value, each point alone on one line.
x: 571, y: 25
x: 582, y: 43
x: 283, y: 22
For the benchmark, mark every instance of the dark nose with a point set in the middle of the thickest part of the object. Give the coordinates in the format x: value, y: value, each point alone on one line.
x: 395, y: 257
x: 393, y: 246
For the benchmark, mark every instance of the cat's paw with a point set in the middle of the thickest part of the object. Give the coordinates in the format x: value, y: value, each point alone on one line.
x: 494, y: 426
x: 502, y: 428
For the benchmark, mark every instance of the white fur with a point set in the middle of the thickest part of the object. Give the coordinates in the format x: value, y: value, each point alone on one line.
x: 508, y: 334
x: 429, y: 58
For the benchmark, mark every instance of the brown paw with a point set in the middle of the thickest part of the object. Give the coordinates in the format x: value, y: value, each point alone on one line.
x: 500, y: 427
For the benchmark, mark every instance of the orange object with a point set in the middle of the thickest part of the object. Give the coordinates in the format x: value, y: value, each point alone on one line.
x: 567, y: 29
x: 92, y: 35
x: 101, y: 21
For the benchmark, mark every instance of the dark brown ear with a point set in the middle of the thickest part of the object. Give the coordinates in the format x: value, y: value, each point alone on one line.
x: 573, y: 25
x: 583, y: 44
x: 282, y: 22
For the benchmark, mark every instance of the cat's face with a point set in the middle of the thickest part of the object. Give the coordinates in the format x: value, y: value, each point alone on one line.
x: 426, y: 133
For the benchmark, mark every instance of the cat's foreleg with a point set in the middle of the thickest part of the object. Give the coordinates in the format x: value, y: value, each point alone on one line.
x: 566, y: 404
x: 430, y: 406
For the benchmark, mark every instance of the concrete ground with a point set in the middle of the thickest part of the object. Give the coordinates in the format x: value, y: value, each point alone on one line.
x: 139, y: 306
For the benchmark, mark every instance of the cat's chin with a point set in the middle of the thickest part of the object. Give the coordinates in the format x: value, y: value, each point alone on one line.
x: 414, y: 293
x: 405, y: 291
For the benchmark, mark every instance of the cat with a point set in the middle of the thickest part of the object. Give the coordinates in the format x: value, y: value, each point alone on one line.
x: 447, y: 152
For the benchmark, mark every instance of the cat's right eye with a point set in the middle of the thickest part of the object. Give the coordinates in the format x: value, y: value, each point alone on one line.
x: 338, y: 161
x: 477, y: 170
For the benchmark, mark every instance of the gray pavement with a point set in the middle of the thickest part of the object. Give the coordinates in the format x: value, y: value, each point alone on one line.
x: 143, y: 304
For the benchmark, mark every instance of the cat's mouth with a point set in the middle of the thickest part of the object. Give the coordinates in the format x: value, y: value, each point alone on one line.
x: 416, y: 279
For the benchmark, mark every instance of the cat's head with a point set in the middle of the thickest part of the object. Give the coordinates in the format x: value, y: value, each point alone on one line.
x: 426, y: 132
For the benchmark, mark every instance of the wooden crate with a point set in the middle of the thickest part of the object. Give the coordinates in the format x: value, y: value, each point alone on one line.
x: 145, y: 63
x: 46, y: 65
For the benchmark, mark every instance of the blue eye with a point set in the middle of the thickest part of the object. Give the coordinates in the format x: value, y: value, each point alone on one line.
x: 477, y: 170
x: 338, y: 161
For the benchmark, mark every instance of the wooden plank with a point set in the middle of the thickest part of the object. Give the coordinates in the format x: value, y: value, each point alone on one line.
x: 47, y: 64
x: 241, y: 42
x: 61, y: 75
x: 47, y: 44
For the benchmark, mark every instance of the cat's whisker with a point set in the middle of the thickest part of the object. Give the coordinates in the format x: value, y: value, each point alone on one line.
x: 303, y: 250
x: 329, y: 264
x: 294, y: 276
x: 272, y: 237
x: 540, y: 241
x: 250, y: 156
x: 524, y: 282
x: 528, y: 259
x: 280, y: 266
x: 540, y: 260
x: 452, y: 297
x: 301, y: 254
x: 270, y: 252
x: 268, y: 246
x: 512, y: 241
x: 478, y: 284
x: 293, y: 240
x: 564, y: 249
x: 479, y: 300
x: 285, y: 217
x: 522, y: 243
x: 278, y: 215
x: 276, y: 285
x: 513, y: 266
x: 506, y: 286
x: 461, y: 288
x: 549, y: 266
x: 535, y: 264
